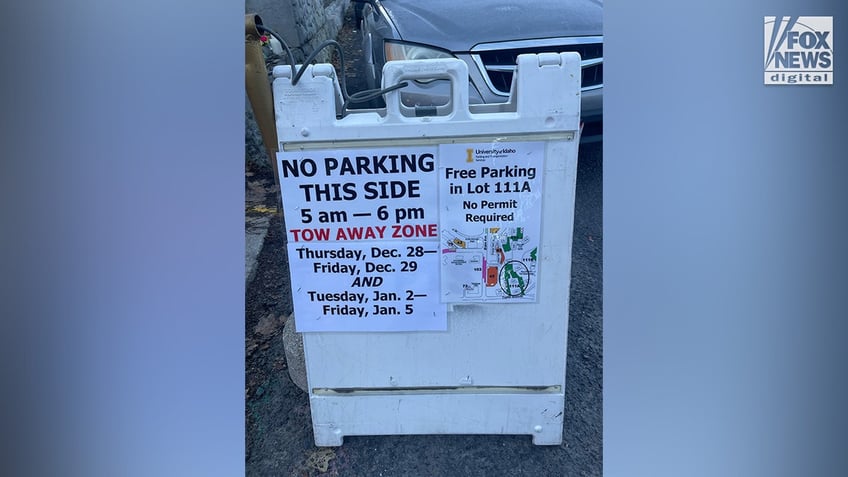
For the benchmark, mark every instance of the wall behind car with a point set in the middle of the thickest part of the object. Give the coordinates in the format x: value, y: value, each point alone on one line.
x: 304, y: 24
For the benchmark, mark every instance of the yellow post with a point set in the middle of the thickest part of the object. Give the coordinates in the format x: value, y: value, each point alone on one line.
x: 259, y: 90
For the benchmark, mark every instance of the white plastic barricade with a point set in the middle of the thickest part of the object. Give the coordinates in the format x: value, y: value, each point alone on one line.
x: 430, y: 255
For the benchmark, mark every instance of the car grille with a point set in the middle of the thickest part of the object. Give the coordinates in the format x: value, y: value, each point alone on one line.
x: 500, y: 64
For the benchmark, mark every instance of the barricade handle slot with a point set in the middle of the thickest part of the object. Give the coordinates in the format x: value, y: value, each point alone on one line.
x: 451, y: 69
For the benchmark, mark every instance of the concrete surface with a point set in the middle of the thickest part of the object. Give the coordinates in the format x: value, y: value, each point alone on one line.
x: 255, y: 230
x: 293, y: 344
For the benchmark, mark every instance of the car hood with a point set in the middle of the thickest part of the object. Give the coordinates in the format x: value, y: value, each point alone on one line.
x: 458, y: 25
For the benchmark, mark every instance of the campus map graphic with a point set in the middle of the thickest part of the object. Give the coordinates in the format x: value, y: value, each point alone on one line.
x: 498, y: 265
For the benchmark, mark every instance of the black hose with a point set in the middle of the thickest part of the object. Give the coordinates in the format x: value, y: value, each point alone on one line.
x: 358, y: 97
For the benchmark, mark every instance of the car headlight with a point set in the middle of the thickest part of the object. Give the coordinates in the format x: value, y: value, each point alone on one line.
x: 407, y: 51
x: 396, y: 50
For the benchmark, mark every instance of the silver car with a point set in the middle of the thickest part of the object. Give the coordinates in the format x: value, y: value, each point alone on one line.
x: 488, y: 35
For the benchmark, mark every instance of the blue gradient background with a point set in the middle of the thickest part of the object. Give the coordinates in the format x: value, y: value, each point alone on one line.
x: 724, y: 247
x: 123, y: 245
x: 123, y: 248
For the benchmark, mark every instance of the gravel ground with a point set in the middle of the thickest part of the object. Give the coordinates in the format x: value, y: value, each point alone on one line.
x: 278, y: 426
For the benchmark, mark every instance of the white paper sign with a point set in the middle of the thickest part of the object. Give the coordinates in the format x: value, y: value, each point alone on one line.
x: 362, y: 230
x: 490, y: 202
